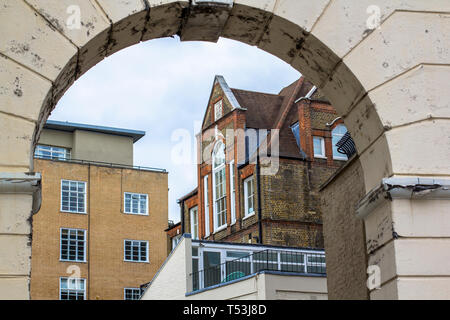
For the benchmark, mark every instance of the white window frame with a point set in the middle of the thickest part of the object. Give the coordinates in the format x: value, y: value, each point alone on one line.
x: 206, y: 196
x: 233, y: 193
x: 76, y: 290
x: 68, y: 245
x: 194, y: 227
x: 218, y: 106
x: 221, y: 167
x: 125, y: 293
x: 131, y: 260
x: 337, y: 155
x: 139, y: 204
x: 84, y: 193
x: 55, y: 153
x: 247, y: 213
x: 321, y: 155
x: 176, y: 240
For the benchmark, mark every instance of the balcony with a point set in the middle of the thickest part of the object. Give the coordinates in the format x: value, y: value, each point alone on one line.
x: 219, y: 266
x: 208, y: 270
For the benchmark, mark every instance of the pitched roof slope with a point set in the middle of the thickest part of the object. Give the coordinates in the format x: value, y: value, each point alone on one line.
x: 262, y: 108
x: 271, y: 111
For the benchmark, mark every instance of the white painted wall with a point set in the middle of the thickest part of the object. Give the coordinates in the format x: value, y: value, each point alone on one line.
x: 173, y: 279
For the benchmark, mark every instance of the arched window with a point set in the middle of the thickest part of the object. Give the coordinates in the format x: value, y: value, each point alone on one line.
x: 219, y: 183
x: 337, y: 133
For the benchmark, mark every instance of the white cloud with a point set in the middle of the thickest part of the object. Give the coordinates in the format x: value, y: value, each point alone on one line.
x: 164, y: 85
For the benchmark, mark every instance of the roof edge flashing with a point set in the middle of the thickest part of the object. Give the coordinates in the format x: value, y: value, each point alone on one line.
x: 72, y: 127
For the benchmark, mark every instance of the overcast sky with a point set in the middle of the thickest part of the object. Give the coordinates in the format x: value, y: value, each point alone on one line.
x: 162, y: 87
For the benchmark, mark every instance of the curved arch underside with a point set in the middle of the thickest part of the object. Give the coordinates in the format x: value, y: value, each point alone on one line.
x: 361, y: 71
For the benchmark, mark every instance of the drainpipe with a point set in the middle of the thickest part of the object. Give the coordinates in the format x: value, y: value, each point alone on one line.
x: 181, y: 203
x: 258, y: 187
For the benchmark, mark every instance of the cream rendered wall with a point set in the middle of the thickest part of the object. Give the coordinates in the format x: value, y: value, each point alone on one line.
x: 173, y: 279
x: 102, y: 147
x: 267, y: 286
x: 56, y: 138
x: 284, y: 287
x: 242, y: 290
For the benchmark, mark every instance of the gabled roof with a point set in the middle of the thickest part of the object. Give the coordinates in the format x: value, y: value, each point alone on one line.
x: 275, y: 111
x: 229, y: 95
x: 272, y: 111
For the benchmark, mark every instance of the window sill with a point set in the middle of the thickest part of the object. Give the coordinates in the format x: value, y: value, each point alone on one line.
x: 320, y: 157
x: 136, y: 261
x: 72, y: 212
x: 220, y: 228
x: 248, y: 216
x: 72, y: 261
x: 340, y: 159
x: 136, y: 214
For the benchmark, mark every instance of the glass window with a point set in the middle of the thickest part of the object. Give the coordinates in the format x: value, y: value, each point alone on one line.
x: 296, y: 131
x: 206, y: 195
x: 175, y: 241
x: 337, y: 135
x: 195, y: 275
x: 136, y: 251
x: 72, y: 289
x: 194, y: 222
x: 237, y: 254
x: 218, y: 110
x: 249, y: 196
x: 73, y: 245
x: 220, y: 195
x: 136, y: 203
x: 319, y: 147
x: 132, y: 293
x: 73, y: 196
x: 212, y: 268
x: 233, y: 193
x: 52, y: 153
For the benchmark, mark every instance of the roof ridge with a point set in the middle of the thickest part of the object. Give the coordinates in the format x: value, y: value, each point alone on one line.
x: 251, y: 91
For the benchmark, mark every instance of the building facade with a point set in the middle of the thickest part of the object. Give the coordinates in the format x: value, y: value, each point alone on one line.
x: 258, y: 179
x: 99, y: 232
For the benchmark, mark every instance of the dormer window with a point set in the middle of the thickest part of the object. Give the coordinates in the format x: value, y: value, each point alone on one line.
x: 218, y: 110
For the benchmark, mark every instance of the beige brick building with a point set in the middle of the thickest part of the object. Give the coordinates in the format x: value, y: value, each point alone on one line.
x: 99, y: 233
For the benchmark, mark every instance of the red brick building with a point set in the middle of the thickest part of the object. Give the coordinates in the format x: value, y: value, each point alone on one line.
x: 239, y: 198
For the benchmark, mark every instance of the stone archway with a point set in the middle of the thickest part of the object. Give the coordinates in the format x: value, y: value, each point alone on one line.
x: 388, y: 80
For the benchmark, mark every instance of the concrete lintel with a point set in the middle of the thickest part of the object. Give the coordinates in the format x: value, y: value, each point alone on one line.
x: 413, y: 188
